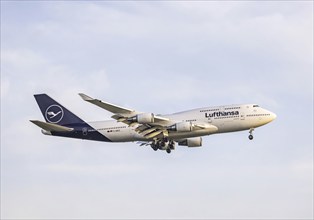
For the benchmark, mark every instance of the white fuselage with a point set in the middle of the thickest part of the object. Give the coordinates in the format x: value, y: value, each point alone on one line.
x: 228, y: 118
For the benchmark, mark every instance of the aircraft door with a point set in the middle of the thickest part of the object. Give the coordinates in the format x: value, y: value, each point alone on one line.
x: 209, y: 120
x: 242, y: 113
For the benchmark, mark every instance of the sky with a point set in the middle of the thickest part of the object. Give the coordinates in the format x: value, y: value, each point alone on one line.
x: 160, y: 57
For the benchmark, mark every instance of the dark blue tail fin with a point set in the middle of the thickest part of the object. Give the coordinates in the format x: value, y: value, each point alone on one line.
x: 55, y: 113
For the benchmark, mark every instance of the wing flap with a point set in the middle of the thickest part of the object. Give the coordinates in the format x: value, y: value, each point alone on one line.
x: 51, y: 127
x: 147, y: 131
x: 153, y: 134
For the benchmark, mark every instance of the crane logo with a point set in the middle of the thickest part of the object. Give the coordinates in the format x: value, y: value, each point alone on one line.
x: 54, y: 114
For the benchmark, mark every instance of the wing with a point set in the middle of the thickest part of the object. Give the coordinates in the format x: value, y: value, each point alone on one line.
x: 110, y: 107
x: 149, y: 125
x: 148, y: 128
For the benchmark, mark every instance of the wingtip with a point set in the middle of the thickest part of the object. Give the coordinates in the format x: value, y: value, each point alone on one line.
x: 85, y: 97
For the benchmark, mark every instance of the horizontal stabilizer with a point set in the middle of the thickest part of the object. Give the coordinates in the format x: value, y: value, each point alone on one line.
x: 50, y: 126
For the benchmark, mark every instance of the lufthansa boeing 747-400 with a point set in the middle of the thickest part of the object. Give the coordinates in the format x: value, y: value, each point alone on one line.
x: 161, y: 132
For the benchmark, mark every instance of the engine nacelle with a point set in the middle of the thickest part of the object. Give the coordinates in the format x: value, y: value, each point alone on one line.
x: 145, y: 118
x: 182, y: 127
x: 191, y: 142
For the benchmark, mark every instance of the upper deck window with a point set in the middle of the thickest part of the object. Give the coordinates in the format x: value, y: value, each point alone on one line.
x: 255, y: 106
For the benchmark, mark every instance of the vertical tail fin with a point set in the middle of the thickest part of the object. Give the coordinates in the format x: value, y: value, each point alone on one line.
x: 55, y: 113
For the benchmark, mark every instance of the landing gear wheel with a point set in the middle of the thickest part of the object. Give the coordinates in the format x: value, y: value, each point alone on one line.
x: 168, y: 151
x: 251, y: 137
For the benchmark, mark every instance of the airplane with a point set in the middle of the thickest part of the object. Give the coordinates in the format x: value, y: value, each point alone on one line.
x: 161, y: 132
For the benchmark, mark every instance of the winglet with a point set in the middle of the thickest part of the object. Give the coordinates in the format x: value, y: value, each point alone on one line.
x: 85, y: 97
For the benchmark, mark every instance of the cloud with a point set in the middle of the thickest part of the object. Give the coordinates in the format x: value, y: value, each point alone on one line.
x: 95, y: 170
x: 303, y: 168
x: 159, y: 57
x: 5, y: 86
x: 193, y: 40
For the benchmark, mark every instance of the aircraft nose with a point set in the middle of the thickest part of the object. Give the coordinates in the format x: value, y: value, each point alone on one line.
x: 273, y: 116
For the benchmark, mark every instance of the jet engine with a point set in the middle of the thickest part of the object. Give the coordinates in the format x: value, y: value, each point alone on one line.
x: 144, y: 118
x: 191, y: 142
x: 182, y: 127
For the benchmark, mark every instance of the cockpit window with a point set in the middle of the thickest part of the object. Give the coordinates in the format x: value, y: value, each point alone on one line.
x: 255, y: 106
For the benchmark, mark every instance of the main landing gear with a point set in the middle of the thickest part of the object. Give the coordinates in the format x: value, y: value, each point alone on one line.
x: 251, y: 134
x: 163, y: 144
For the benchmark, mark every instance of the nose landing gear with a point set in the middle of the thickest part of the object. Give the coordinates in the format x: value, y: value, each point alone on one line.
x: 251, y: 134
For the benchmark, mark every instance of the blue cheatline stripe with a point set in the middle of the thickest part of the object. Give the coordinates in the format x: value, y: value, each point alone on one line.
x: 82, y: 131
